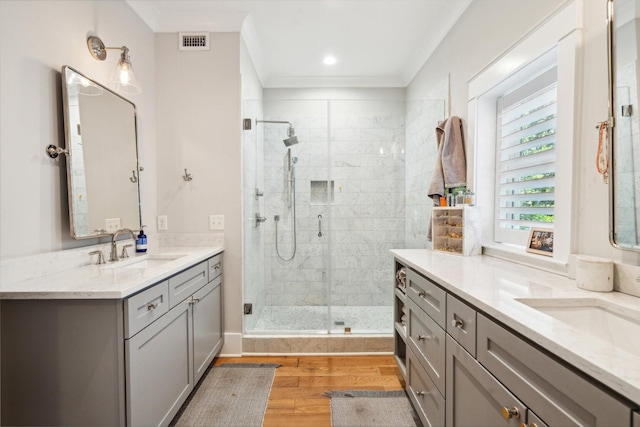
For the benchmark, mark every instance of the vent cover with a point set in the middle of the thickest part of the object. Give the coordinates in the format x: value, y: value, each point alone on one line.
x: 193, y: 41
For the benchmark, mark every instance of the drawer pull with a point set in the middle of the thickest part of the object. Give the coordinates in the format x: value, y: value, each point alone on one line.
x: 217, y: 267
x: 457, y: 323
x: 420, y: 393
x: 152, y: 306
x: 424, y: 337
x: 423, y: 294
x: 194, y: 300
x: 508, y: 413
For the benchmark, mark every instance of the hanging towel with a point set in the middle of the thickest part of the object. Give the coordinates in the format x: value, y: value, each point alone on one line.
x: 451, y: 165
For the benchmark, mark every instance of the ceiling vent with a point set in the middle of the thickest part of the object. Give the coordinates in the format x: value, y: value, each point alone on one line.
x: 193, y: 41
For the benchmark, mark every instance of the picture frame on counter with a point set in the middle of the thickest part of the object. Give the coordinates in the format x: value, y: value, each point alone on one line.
x: 540, y: 241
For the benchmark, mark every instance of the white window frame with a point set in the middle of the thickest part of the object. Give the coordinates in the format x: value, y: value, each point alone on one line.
x: 560, y: 33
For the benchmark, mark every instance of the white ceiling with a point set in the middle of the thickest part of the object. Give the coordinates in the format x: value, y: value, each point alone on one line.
x: 378, y: 43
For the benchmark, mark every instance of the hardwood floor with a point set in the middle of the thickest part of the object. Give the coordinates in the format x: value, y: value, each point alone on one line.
x: 296, y: 395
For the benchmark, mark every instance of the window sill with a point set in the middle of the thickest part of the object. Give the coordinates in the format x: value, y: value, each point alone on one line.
x: 520, y: 256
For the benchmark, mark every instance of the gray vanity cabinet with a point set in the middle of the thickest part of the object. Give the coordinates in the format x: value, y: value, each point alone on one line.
x: 560, y: 396
x: 478, y: 373
x: 111, y: 362
x: 474, y: 397
x: 159, y: 368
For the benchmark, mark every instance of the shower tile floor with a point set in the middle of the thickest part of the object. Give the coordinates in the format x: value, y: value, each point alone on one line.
x: 313, y: 319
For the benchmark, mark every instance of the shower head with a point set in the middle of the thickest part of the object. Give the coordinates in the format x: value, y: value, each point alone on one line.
x: 290, y: 141
x: 291, y: 133
x: 293, y: 139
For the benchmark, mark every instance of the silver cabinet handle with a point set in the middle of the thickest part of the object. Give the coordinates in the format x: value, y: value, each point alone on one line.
x: 509, y: 413
x: 420, y: 393
x: 423, y: 294
x: 217, y: 267
x: 457, y: 323
x: 319, y: 225
x: 152, y: 306
x: 194, y: 300
x: 424, y: 337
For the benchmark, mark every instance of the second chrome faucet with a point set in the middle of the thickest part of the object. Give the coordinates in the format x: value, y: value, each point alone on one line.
x: 114, y: 246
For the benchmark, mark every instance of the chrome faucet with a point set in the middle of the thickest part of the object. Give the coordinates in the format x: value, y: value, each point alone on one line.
x: 114, y: 247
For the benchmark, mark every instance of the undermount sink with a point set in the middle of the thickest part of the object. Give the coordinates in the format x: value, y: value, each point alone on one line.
x: 607, y: 321
x: 145, y: 261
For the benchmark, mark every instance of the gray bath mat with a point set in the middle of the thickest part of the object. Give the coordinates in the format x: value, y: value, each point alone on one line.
x: 355, y: 408
x: 233, y: 394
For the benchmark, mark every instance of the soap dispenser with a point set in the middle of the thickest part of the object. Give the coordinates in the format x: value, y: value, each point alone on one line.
x: 141, y: 242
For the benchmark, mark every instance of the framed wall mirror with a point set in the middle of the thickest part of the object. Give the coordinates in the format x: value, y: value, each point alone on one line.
x: 102, y: 161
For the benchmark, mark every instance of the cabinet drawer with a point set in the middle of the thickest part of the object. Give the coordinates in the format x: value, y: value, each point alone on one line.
x: 186, y: 283
x: 424, y: 395
x: 144, y: 308
x: 215, y: 266
x: 427, y: 340
x: 558, y: 395
x: 461, y: 323
x: 428, y: 296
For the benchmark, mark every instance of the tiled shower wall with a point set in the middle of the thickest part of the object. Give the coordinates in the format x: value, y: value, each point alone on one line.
x: 422, y: 150
x: 349, y: 171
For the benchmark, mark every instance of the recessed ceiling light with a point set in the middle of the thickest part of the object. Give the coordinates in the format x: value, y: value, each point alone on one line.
x: 329, y: 60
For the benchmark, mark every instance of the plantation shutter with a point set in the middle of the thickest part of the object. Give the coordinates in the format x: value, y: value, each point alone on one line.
x: 526, y: 158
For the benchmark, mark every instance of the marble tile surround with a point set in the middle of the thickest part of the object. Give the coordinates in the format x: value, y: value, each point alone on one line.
x: 317, y: 345
x: 361, y: 319
x: 362, y: 153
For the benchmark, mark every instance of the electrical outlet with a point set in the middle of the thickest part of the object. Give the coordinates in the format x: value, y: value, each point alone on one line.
x: 162, y: 222
x: 216, y: 222
x: 112, y: 225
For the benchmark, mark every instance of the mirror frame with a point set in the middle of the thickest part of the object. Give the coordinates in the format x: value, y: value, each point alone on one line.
x: 610, y: 122
x: 70, y: 154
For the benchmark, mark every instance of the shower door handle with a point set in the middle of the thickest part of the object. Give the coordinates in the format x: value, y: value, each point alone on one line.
x: 319, y: 225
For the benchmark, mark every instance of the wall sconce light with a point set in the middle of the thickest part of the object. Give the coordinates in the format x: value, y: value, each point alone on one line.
x: 123, y: 78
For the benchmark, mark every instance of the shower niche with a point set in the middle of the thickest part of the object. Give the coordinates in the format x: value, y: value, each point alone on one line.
x: 321, y: 192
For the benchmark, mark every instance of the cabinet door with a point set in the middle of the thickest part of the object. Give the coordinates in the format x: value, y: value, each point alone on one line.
x: 160, y: 368
x: 474, y: 397
x: 207, y: 326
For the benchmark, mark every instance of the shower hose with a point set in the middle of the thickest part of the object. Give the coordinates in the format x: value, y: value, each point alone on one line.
x: 277, y: 219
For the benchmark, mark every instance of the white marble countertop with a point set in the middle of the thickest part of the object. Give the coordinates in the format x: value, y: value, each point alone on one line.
x: 107, y: 281
x: 494, y: 286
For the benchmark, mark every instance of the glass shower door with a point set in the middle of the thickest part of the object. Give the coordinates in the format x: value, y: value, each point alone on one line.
x: 366, y: 177
x: 296, y: 270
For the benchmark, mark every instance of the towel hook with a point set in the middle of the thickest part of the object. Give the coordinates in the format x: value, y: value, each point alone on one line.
x: 187, y: 176
x: 54, y: 151
x: 133, y: 178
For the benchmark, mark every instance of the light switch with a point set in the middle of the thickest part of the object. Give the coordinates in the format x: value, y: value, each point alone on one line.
x: 162, y: 222
x: 216, y: 222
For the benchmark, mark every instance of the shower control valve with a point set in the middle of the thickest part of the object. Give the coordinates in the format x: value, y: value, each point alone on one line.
x: 259, y: 219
